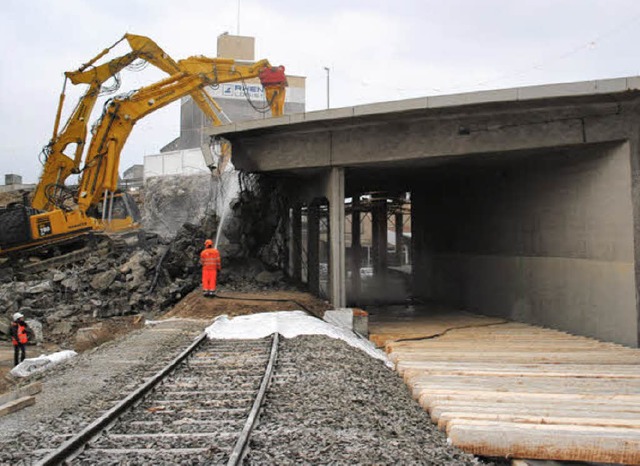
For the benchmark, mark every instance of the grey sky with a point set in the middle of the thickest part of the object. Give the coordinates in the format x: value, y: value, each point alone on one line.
x: 377, y: 51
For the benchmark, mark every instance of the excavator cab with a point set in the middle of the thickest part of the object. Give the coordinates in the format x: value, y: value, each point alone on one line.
x: 117, y: 211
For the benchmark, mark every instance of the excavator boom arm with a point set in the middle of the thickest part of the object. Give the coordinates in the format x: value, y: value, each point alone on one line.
x: 100, y: 174
x: 59, y: 165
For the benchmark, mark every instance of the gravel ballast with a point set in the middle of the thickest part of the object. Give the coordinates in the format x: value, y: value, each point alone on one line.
x: 331, y: 404
x: 80, y: 390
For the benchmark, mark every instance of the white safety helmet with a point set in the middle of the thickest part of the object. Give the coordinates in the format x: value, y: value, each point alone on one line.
x: 17, y: 316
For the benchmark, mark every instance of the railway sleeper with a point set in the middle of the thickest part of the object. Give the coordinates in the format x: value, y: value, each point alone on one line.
x: 223, y: 403
x: 198, y: 414
x: 220, y: 374
x: 165, y: 441
x: 179, y: 426
x: 212, y: 394
x: 175, y: 456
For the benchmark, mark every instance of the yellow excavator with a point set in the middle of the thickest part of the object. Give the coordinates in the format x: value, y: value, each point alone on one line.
x: 58, y: 214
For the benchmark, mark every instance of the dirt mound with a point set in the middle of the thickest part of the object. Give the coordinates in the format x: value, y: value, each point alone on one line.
x: 196, y: 306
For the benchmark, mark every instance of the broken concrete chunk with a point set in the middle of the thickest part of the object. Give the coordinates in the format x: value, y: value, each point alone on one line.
x: 63, y: 328
x: 266, y: 278
x: 42, y: 287
x: 6, y: 274
x: 62, y: 313
x: 5, y: 325
x: 102, y: 281
x: 70, y: 284
x: 36, y: 328
x: 88, y: 336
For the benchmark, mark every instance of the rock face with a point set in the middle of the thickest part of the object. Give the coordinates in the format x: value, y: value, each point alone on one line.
x: 171, y: 201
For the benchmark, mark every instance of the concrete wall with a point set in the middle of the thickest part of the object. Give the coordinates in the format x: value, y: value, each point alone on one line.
x: 181, y: 162
x: 542, y: 239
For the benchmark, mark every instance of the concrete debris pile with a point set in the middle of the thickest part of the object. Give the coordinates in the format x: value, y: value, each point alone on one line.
x: 101, y: 285
x: 148, y: 279
x: 158, y: 272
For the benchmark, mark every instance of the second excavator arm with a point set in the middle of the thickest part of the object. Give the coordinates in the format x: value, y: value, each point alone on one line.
x: 100, y: 173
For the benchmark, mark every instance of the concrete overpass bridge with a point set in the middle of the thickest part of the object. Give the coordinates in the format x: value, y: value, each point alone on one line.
x: 523, y: 202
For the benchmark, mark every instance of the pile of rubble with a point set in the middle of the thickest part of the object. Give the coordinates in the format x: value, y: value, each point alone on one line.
x: 151, y: 277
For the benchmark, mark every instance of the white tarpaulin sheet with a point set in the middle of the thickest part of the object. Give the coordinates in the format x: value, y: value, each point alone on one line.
x: 289, y: 324
x: 41, y: 363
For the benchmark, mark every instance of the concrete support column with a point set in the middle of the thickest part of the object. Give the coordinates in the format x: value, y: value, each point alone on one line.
x: 356, y: 248
x: 313, y: 249
x: 296, y: 243
x: 379, y: 237
x: 337, y: 273
x: 420, y: 279
x: 399, y: 224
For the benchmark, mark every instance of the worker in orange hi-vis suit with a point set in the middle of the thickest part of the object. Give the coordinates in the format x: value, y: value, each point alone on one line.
x: 211, y: 265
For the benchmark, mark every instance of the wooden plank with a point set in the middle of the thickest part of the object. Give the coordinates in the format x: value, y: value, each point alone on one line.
x: 446, y: 417
x: 404, y: 368
x: 579, y: 357
x: 17, y: 405
x: 550, y: 409
x: 497, y: 346
x: 531, y: 385
x: 553, y: 442
x: 28, y: 390
x: 500, y: 343
x: 425, y: 397
x: 528, y: 384
x: 412, y: 373
x: 523, y: 350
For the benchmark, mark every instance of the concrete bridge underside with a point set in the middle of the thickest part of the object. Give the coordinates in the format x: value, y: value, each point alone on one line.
x: 523, y: 201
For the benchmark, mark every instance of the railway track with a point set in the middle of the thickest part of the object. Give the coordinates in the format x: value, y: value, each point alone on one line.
x: 199, y: 409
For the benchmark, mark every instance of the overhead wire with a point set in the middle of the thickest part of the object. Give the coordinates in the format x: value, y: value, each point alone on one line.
x: 584, y: 46
x: 538, y: 65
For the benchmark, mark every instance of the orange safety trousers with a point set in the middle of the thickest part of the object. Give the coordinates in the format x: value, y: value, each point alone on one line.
x: 210, y: 259
x: 209, y: 277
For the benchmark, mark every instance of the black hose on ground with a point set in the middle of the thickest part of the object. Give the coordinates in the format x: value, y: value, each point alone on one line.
x: 157, y: 274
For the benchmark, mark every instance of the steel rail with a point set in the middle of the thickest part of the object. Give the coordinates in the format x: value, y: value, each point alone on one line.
x: 239, y: 450
x: 75, y: 443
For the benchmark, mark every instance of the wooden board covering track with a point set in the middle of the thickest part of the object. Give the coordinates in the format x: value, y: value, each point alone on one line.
x: 508, y: 389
